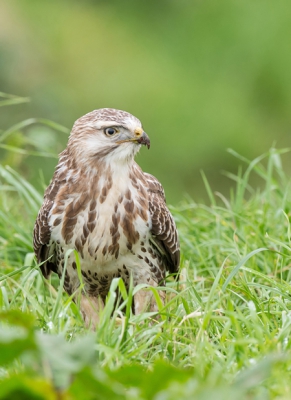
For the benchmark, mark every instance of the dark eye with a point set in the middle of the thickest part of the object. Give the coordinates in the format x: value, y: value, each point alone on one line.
x: 110, y: 131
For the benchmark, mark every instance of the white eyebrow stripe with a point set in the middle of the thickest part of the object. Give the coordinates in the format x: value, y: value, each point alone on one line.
x: 113, y: 126
x: 105, y: 124
x: 127, y: 123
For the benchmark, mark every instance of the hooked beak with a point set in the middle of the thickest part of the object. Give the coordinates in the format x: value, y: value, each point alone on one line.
x: 144, y: 139
x: 140, y: 138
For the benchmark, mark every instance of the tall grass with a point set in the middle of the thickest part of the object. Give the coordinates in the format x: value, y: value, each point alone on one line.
x: 225, y: 329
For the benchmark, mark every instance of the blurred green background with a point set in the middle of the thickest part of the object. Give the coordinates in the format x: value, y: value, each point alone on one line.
x: 202, y: 76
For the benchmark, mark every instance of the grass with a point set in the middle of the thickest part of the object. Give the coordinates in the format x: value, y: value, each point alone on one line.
x: 224, y: 332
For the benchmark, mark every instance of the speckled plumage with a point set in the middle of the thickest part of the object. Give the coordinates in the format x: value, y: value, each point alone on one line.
x: 102, y: 204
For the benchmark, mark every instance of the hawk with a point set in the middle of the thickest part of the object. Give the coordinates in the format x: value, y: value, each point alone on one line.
x: 101, y: 203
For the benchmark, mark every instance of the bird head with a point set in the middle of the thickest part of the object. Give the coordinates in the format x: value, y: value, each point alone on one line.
x: 108, y: 134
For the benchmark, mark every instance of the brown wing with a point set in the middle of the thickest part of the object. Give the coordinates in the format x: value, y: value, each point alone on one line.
x: 163, y: 226
x: 42, y: 232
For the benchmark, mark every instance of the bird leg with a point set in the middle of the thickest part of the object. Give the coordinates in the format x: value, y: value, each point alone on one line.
x: 144, y: 299
x: 90, y: 307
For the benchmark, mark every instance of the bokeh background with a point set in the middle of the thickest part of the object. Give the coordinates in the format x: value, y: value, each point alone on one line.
x: 202, y: 76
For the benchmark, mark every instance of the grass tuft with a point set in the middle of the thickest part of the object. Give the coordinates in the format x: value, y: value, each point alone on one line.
x: 223, y: 333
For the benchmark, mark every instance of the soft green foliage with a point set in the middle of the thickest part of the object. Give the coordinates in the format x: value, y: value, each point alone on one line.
x: 224, y: 332
x: 200, y: 75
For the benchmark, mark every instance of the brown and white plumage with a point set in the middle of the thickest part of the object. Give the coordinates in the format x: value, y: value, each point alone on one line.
x: 102, y: 204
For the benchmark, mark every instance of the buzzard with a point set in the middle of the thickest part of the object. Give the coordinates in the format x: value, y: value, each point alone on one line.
x: 101, y: 203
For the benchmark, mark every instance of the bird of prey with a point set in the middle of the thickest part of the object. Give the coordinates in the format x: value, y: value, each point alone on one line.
x: 101, y: 203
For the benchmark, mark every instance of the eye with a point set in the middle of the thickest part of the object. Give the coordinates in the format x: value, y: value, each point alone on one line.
x: 110, y: 131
